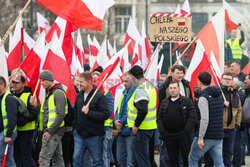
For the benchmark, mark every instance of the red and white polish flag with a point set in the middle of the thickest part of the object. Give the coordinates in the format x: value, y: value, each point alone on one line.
x: 43, y: 23
x: 28, y: 43
x: 102, y: 57
x: 87, y: 14
x: 146, y: 51
x: 185, y: 9
x: 199, y: 62
x: 93, y: 49
x: 151, y: 73
x: 232, y: 17
x: 57, y: 64
x: 159, y: 67
x: 79, y: 49
x: 212, y: 37
x: 14, y: 57
x: 111, y: 50
x: 33, y: 64
x: 133, y: 34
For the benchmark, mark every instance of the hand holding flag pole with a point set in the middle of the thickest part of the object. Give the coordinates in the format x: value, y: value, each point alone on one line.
x: 97, y: 89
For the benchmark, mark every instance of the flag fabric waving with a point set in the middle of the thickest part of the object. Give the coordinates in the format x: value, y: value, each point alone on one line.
x: 146, y: 51
x: 212, y: 37
x: 87, y: 14
x: 200, y: 62
x: 57, y: 64
x: 43, y: 23
x: 185, y: 9
x: 133, y: 34
x: 232, y: 17
x: 14, y: 57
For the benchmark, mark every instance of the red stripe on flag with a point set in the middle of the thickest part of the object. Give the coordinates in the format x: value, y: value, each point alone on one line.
x: 58, y: 66
x: 229, y: 24
x: 75, y: 11
x: 14, y: 58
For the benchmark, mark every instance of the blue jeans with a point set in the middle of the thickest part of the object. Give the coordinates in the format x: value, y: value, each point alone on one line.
x: 124, y: 151
x: 164, y: 158
x: 93, y: 144
x: 237, y: 155
x: 213, y: 146
x: 107, y: 147
x: 10, y: 162
x: 140, y: 147
x: 228, y: 147
x: 157, y: 139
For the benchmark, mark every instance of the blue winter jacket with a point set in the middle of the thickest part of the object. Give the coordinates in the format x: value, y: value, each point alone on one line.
x: 123, y: 113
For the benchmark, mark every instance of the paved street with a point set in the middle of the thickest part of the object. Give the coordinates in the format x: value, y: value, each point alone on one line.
x: 247, y: 160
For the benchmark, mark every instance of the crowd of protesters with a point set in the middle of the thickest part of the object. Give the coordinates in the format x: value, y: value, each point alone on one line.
x: 209, y: 124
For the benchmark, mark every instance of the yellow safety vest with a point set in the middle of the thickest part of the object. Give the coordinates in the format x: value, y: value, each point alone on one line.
x: 4, y: 113
x: 52, y: 111
x: 30, y: 125
x: 108, y: 122
x: 149, y: 122
x: 236, y: 48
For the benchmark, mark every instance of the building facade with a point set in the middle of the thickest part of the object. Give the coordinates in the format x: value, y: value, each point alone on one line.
x: 117, y: 17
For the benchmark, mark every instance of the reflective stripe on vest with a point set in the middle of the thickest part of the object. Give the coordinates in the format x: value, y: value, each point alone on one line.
x: 4, y: 113
x: 30, y: 125
x: 52, y: 111
x: 236, y: 48
x: 149, y: 122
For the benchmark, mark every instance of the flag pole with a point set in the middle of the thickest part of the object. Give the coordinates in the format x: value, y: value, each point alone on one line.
x: 37, y: 84
x: 82, y: 59
x: 183, y: 52
x: 5, y: 155
x: 170, y: 54
x: 13, y: 25
x: 97, y: 89
x: 224, y: 98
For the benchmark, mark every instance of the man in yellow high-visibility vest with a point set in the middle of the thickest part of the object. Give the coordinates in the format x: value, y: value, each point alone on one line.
x: 141, y: 116
x: 235, y: 43
x: 23, y: 142
x: 122, y: 131
x: 8, y: 116
x: 53, y: 110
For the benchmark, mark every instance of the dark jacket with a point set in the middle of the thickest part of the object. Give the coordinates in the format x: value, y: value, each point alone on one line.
x: 188, y: 111
x: 241, y: 76
x: 91, y: 124
x: 163, y: 90
x: 235, y: 111
x: 246, y: 109
x: 216, y: 107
